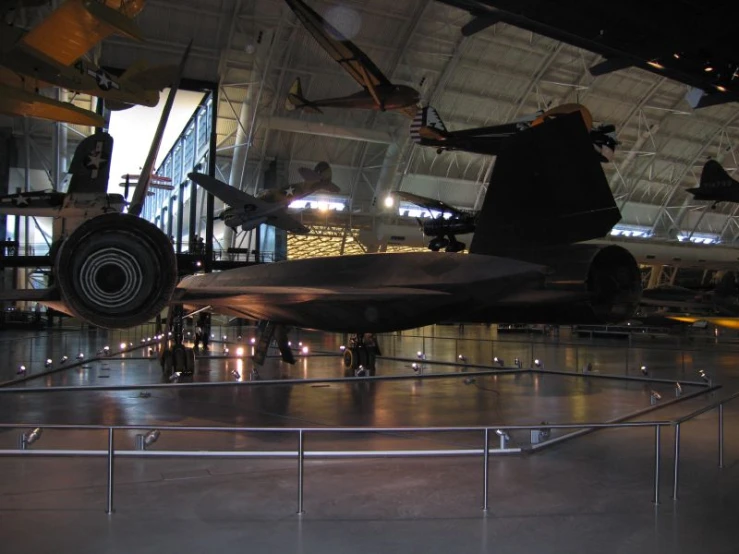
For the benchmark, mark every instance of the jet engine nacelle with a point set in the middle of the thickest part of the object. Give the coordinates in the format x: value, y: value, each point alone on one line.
x: 116, y: 271
x: 587, y: 284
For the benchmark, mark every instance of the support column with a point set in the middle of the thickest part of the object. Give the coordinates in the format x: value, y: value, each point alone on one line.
x: 387, y: 177
x: 238, y: 164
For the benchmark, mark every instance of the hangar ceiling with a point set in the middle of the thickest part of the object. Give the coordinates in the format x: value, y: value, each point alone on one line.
x: 255, y: 49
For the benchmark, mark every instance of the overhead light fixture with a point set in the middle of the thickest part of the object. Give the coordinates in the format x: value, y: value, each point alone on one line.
x: 235, y: 374
x: 676, y: 55
x: 462, y: 358
x: 21, y: 370
x: 416, y: 367
x: 64, y: 359
x: 537, y: 363
x: 389, y: 201
x: 81, y: 356
x: 704, y: 376
x: 498, y: 361
x: 48, y: 362
x: 517, y: 363
x: 678, y: 390
x: 708, y: 68
x: 721, y: 88
x: 655, y: 64
x: 304, y: 350
x: 643, y: 370
x: 359, y: 371
x: 240, y: 351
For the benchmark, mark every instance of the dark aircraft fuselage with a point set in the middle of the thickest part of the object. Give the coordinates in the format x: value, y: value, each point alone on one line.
x: 393, y: 97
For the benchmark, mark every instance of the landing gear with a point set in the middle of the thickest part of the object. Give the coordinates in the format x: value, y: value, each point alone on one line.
x: 176, y: 358
x: 361, y: 353
x: 455, y: 246
x: 438, y: 243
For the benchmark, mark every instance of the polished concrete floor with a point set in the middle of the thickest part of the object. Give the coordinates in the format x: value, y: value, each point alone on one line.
x: 590, y: 493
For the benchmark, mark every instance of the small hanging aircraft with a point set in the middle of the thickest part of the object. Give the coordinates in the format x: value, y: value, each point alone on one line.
x: 715, y: 185
x: 428, y: 129
x: 378, y: 94
x: 270, y: 206
x: 444, y: 224
x: 51, y: 54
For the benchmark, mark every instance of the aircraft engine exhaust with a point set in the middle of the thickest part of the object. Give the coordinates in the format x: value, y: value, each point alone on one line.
x: 116, y: 271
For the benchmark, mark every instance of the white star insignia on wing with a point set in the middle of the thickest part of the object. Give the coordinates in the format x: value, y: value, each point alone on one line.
x: 290, y: 191
x: 21, y: 200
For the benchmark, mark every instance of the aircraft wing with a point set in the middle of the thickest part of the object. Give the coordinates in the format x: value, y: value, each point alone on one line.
x: 272, y: 213
x: 231, y: 196
x: 17, y: 101
x: 678, y: 43
x: 345, y: 52
x: 78, y: 25
x: 429, y: 203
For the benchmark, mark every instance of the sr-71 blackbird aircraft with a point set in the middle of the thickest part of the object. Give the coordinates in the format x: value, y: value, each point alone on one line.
x: 691, y: 42
x: 715, y: 185
x: 427, y: 129
x: 117, y: 270
x: 51, y: 54
x: 378, y: 94
x: 443, y: 229
x: 270, y: 206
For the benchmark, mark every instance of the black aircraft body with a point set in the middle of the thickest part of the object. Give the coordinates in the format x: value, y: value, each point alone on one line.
x: 117, y: 270
x: 428, y: 129
x: 690, y: 42
x: 442, y: 230
x: 716, y: 185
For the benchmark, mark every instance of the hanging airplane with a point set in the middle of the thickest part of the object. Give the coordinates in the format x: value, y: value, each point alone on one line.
x: 692, y: 43
x: 51, y: 55
x: 715, y: 185
x: 427, y: 129
x: 445, y: 223
x: 117, y: 270
x: 270, y: 206
x: 378, y: 94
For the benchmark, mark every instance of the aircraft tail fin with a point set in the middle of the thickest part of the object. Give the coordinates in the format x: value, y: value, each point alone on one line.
x: 427, y: 124
x: 547, y: 189
x: 714, y: 176
x: 91, y: 165
x: 296, y: 101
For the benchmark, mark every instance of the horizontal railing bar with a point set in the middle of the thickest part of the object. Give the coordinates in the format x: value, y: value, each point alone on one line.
x: 264, y: 454
x: 336, y: 429
x: 705, y: 409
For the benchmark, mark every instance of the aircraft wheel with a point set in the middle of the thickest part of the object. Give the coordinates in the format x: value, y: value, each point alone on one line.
x: 363, y: 358
x: 348, y: 359
x: 167, y: 365
x: 455, y: 246
x: 189, y: 361
x: 438, y: 243
x: 179, y: 358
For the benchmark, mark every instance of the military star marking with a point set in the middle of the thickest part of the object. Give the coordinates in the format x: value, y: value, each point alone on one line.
x: 95, y: 159
x: 21, y: 200
x: 290, y: 191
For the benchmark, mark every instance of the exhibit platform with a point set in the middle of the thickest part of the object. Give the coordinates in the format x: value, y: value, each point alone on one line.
x: 594, y: 491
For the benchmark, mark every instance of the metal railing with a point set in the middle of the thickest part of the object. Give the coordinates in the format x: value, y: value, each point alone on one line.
x: 301, y: 452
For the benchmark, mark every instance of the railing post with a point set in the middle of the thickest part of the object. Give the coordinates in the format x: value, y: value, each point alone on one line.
x: 301, y: 454
x: 485, y: 465
x: 111, y: 457
x: 721, y: 435
x: 676, y: 466
x: 656, y: 463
